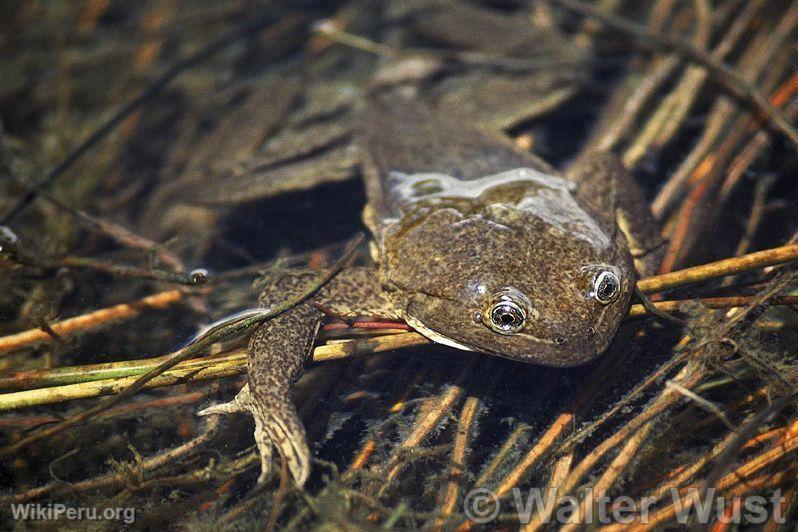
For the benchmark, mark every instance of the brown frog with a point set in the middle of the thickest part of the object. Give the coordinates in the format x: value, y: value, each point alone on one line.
x: 476, y: 245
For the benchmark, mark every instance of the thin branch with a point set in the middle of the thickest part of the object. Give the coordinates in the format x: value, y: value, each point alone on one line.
x: 108, y: 379
x: 194, y: 348
x: 638, y: 310
x: 467, y: 417
x: 114, y: 478
x: 733, y: 266
x: 428, y: 419
x: 735, y: 83
x: 610, y: 476
x: 703, y: 403
x: 119, y: 116
x: 92, y: 320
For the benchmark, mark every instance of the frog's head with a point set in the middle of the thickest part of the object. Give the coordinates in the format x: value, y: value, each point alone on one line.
x: 540, y: 283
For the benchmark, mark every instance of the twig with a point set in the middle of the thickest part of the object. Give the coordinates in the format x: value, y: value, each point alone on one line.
x: 534, y: 454
x: 193, y: 278
x: 756, y: 58
x: 118, y: 479
x: 749, y: 154
x: 673, y: 108
x: 119, y: 116
x: 610, y: 476
x: 200, y: 345
x: 636, y: 311
x: 331, y: 30
x: 693, y: 218
x: 645, y: 88
x: 108, y: 379
x: 730, y: 453
x: 691, y: 470
x: 196, y: 370
x: 467, y: 417
x: 733, y: 266
x: 751, y: 467
x: 629, y: 99
x: 703, y: 403
x: 117, y: 233
x: 28, y: 422
x: 531, y: 458
x: 653, y: 310
x: 437, y: 407
x: 89, y: 321
x: 368, y: 448
x: 280, y: 495
x: 558, y: 475
x: 658, y: 405
x: 497, y: 461
x: 761, y: 191
x: 723, y: 73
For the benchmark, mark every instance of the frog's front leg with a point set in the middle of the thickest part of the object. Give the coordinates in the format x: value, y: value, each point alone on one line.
x: 279, y: 350
x: 606, y: 187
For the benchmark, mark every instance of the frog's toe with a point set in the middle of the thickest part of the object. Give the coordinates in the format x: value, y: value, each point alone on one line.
x: 280, y: 426
x: 239, y: 404
x: 265, y: 449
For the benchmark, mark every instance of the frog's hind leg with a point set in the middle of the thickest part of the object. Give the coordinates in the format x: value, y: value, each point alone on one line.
x: 607, y: 188
x: 278, y: 352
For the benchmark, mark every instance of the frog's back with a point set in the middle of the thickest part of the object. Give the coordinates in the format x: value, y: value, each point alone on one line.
x: 402, y: 134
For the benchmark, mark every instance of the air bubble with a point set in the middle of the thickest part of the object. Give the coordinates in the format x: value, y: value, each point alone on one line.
x: 8, y: 240
x: 199, y: 277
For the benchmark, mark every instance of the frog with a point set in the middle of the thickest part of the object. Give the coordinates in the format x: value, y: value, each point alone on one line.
x: 476, y: 244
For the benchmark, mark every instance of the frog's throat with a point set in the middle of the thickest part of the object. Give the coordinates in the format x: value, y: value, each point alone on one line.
x: 432, y: 335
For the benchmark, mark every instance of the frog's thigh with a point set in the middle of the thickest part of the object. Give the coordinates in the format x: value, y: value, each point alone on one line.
x: 606, y: 186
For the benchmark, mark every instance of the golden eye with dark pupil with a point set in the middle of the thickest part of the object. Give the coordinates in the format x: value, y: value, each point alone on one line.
x: 507, y: 317
x: 606, y: 287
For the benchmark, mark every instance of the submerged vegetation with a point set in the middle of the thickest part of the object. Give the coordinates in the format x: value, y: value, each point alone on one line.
x: 143, y: 145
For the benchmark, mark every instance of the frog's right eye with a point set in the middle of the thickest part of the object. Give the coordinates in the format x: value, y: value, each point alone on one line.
x: 507, y: 317
x: 606, y: 287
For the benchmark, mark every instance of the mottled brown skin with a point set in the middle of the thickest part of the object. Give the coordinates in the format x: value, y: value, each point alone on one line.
x: 280, y: 348
x: 444, y: 264
x: 440, y: 261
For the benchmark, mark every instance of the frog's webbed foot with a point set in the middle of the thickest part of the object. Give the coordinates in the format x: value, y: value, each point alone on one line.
x: 276, y: 425
x: 235, y: 406
x: 279, y: 425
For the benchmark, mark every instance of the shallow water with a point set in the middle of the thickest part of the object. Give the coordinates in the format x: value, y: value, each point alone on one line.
x: 247, y: 160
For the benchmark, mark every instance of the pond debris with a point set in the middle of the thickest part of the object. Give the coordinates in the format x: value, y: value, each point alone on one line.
x: 165, y: 136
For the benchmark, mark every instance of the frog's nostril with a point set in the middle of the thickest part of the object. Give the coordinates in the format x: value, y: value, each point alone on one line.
x: 591, y: 331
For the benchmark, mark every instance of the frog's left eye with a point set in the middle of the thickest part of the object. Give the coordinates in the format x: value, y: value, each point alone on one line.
x: 507, y: 317
x: 606, y: 287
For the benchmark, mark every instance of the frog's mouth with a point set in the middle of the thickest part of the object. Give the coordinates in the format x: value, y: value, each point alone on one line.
x: 434, y: 336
